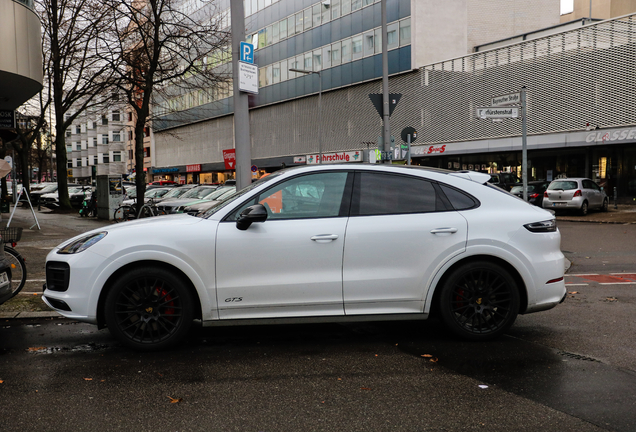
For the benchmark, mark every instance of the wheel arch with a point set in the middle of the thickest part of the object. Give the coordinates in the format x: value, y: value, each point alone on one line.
x: 101, y: 322
x: 523, y: 292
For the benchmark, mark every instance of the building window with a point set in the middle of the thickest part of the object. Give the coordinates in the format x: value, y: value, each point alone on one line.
x: 105, y: 158
x: 116, y: 116
x: 116, y: 156
x: 129, y: 116
x: 78, y: 146
x: 405, y: 32
x: 95, y: 160
x: 69, y: 148
x: 69, y: 164
x: 130, y: 155
x: 68, y: 133
x: 146, y: 132
x: 78, y: 129
x: 94, y: 141
x: 117, y: 136
x: 104, y: 139
x: 79, y: 162
x: 130, y: 135
x: 104, y: 120
x: 146, y: 151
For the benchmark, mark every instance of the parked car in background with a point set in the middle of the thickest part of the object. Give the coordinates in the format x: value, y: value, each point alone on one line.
x: 76, y: 195
x: 37, y: 192
x: 309, y: 239
x: 176, y: 205
x: 218, y: 196
x: 151, y: 194
x: 162, y: 183
x: 504, y: 180
x: 579, y: 194
x: 535, y: 191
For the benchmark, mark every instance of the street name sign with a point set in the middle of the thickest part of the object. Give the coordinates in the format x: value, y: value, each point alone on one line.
x: 498, y: 112
x: 248, y: 77
x: 509, y: 99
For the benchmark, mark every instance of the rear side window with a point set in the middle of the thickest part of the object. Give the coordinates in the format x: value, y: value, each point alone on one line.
x: 458, y: 199
x: 382, y: 194
x: 563, y: 185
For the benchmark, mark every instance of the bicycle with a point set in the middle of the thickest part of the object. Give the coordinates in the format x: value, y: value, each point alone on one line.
x: 11, y: 236
x: 129, y: 212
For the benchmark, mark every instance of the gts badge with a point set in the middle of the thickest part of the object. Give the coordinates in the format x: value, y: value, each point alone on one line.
x: 233, y: 299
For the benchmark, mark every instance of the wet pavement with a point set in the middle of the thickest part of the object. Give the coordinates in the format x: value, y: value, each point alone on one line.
x: 570, y: 368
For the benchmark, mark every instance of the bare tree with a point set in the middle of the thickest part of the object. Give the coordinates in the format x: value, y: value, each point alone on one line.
x: 78, y: 77
x: 161, y: 48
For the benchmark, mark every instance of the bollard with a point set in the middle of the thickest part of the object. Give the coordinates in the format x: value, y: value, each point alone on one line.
x: 615, y: 197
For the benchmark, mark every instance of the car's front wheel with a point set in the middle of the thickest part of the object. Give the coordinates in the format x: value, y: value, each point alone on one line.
x: 605, y: 205
x: 479, y: 301
x: 149, y: 308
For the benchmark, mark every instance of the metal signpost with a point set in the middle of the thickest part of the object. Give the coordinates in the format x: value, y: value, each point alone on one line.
x: 500, y: 109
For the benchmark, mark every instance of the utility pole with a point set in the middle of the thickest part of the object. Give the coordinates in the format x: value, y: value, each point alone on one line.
x: 386, y: 127
x: 524, y: 143
x: 242, y: 143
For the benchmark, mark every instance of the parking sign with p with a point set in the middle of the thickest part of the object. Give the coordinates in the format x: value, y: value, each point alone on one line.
x: 247, y: 52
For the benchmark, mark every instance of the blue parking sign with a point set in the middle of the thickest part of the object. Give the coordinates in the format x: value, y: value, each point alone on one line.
x: 247, y: 52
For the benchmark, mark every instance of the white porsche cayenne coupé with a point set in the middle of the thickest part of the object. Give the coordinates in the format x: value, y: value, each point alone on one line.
x: 315, y: 244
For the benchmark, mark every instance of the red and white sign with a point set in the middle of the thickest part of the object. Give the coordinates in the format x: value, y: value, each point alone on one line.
x: 339, y: 157
x: 229, y: 157
x: 193, y: 168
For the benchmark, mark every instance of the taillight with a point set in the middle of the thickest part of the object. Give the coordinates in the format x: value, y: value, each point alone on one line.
x: 545, y: 194
x: 536, y: 195
x: 577, y: 193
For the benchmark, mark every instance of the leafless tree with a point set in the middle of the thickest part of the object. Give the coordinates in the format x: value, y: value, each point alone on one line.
x: 78, y: 76
x: 160, y: 49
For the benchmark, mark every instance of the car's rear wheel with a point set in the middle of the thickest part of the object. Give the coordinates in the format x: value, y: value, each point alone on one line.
x: 479, y: 301
x: 605, y: 206
x: 584, y: 208
x: 149, y: 309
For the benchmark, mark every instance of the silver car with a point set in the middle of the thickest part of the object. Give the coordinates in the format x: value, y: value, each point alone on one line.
x: 580, y: 194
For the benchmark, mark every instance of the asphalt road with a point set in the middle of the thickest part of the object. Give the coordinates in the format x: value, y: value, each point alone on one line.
x: 568, y: 369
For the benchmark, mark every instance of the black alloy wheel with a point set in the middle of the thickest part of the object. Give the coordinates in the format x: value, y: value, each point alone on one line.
x: 149, y: 309
x: 479, y: 301
x: 584, y: 208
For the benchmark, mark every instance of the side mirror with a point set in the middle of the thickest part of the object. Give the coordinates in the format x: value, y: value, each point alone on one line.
x: 254, y: 213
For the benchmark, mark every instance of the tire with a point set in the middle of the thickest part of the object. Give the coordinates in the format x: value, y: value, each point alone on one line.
x: 479, y: 301
x: 605, y: 205
x: 149, y: 309
x: 122, y: 213
x: 18, y: 269
x: 584, y: 209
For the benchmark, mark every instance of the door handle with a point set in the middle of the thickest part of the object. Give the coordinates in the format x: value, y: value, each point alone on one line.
x: 444, y: 231
x: 324, y: 238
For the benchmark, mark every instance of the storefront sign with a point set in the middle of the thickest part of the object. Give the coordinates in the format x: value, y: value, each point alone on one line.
x: 300, y: 159
x: 193, y: 168
x: 164, y: 170
x: 339, y: 157
x: 229, y: 157
x: 609, y: 136
x: 7, y: 119
x: 428, y: 150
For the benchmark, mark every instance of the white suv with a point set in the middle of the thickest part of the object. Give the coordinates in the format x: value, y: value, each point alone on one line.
x: 579, y: 194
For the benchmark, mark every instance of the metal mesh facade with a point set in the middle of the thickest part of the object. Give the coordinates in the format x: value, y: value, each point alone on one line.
x: 586, y: 75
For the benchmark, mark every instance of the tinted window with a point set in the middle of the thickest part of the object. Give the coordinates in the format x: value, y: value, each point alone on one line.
x: 379, y: 194
x: 563, y: 185
x: 459, y: 200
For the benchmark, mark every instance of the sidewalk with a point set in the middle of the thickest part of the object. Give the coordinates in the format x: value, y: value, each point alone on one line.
x: 622, y: 214
x: 35, y: 244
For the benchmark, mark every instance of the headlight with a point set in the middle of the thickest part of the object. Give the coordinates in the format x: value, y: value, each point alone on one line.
x: 544, y: 226
x: 81, y: 244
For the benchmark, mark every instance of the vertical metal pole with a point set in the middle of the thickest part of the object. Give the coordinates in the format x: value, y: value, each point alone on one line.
x: 408, y: 150
x: 320, y: 117
x: 242, y: 143
x: 524, y: 143
x: 386, y: 128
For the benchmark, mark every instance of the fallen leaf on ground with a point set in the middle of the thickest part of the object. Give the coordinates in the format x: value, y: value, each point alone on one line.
x: 88, y: 379
x: 427, y: 355
x: 37, y: 349
x: 1, y: 381
x: 434, y: 360
x: 573, y: 292
x: 173, y: 400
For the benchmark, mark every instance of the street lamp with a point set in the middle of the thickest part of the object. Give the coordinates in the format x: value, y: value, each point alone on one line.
x: 309, y: 72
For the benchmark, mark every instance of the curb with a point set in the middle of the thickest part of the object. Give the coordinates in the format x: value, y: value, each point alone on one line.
x: 16, y: 315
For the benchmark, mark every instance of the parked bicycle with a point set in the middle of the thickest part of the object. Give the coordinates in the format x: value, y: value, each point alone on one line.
x: 10, y: 238
x: 129, y: 211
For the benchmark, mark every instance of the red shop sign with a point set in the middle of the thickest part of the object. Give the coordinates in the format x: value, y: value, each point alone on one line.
x: 193, y: 168
x: 229, y: 157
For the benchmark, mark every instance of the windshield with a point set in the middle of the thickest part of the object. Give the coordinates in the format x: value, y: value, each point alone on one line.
x: 238, y: 194
x: 175, y: 193
x: 198, y: 192
x: 155, y: 193
x: 519, y: 189
x: 563, y: 185
x: 220, y: 191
